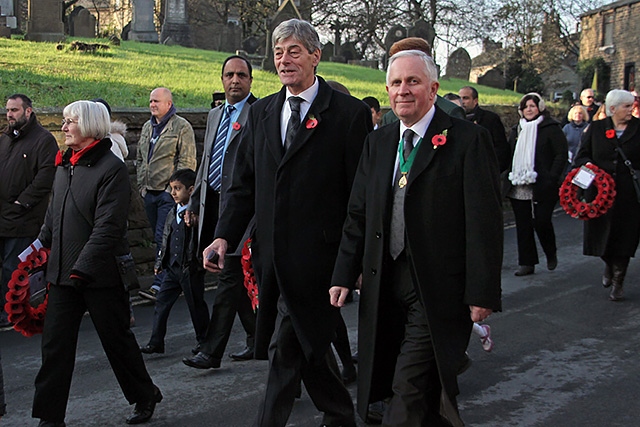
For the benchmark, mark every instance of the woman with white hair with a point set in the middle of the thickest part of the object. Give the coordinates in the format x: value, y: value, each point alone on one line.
x: 539, y: 150
x: 609, y: 144
x: 85, y: 227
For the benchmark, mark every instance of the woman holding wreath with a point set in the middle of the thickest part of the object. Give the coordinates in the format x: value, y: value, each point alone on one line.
x: 539, y: 157
x: 614, y: 236
x: 85, y: 227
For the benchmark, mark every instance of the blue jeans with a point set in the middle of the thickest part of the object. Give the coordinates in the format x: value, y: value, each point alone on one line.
x: 157, y: 204
x: 10, y: 248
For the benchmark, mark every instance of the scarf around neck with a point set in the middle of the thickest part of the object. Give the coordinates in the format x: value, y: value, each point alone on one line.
x: 522, y: 166
x: 158, y: 127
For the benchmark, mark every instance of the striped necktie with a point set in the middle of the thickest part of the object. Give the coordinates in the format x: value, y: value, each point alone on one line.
x: 294, y: 121
x: 215, y: 165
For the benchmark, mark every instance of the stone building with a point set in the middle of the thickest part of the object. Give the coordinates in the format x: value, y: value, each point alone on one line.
x: 611, y: 33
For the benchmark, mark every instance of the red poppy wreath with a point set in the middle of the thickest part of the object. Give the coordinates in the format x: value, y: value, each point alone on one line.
x: 26, y: 319
x: 249, y: 277
x: 575, y: 205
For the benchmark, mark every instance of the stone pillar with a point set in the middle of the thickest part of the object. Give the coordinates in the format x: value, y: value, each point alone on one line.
x: 175, y: 29
x: 143, y: 29
x: 44, y: 21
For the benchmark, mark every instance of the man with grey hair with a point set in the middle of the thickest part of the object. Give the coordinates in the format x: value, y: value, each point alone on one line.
x: 294, y: 169
x: 424, y: 227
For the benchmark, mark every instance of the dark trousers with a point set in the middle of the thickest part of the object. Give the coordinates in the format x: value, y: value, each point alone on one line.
x: 157, y: 205
x: 534, y: 217
x: 177, y: 281
x: 109, y: 311
x: 230, y: 298
x: 416, y: 382
x: 287, y: 366
x: 10, y: 248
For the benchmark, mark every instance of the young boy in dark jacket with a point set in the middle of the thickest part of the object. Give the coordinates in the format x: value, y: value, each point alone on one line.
x: 178, y: 259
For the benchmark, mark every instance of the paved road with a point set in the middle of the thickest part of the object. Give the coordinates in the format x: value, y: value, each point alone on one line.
x: 564, y: 356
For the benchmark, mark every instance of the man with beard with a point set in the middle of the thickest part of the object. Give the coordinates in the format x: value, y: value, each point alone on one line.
x: 28, y: 151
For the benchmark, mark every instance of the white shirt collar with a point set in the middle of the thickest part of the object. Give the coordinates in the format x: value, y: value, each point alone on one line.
x: 420, y: 127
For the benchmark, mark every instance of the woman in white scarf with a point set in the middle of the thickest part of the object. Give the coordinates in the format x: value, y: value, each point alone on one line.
x: 539, y: 150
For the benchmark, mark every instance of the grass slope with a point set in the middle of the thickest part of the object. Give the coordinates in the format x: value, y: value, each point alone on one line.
x: 124, y: 75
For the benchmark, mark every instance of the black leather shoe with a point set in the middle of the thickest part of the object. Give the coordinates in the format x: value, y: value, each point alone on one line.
x: 195, y: 350
x: 246, y: 354
x: 150, y: 349
x: 144, y: 410
x: 525, y: 270
x: 552, y: 262
x: 349, y: 375
x: 201, y: 361
x: 45, y: 423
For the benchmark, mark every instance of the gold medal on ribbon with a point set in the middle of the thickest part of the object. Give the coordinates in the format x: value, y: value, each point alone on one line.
x: 403, y: 181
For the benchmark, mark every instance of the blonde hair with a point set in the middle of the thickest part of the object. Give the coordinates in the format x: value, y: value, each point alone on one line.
x: 93, y: 118
x: 572, y: 111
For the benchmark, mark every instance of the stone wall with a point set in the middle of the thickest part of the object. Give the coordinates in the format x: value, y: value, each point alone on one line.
x: 625, y: 49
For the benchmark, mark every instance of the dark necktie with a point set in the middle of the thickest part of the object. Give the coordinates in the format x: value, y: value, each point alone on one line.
x: 215, y: 164
x: 294, y: 121
x: 407, y: 136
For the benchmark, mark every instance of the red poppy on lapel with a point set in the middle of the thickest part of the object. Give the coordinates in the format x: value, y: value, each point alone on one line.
x: 439, y: 139
x: 610, y: 133
x: 236, y: 126
x: 311, y: 122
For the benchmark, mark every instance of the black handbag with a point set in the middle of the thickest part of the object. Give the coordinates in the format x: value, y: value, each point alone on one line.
x: 634, y: 173
x: 127, y: 270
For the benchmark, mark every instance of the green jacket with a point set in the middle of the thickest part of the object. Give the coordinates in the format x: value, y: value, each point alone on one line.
x: 444, y: 104
x: 175, y: 149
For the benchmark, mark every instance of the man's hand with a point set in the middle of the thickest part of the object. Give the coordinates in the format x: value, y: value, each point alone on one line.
x: 190, y: 218
x: 219, y: 247
x: 337, y: 295
x: 478, y: 314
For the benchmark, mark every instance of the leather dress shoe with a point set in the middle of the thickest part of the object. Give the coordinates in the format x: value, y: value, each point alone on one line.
x: 201, y: 361
x: 144, y: 410
x: 45, y: 423
x: 525, y: 270
x: 150, y: 349
x: 349, y: 375
x: 246, y: 354
x: 552, y: 262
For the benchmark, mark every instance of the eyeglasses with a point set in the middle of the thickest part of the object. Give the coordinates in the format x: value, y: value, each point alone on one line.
x: 67, y: 122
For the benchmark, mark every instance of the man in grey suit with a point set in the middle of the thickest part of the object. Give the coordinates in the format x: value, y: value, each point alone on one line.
x: 224, y: 126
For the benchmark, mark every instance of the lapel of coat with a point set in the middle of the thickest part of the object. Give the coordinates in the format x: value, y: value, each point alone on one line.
x: 242, y: 119
x: 388, y: 149
x: 271, y: 125
x: 630, y: 131
x: 319, y: 105
x: 212, y: 128
x: 426, y: 152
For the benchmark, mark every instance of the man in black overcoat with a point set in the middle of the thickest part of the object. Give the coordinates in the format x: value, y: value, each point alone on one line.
x: 488, y: 120
x: 294, y: 170
x: 425, y: 229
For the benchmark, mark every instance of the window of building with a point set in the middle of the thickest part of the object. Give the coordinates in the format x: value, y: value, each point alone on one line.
x: 630, y: 76
x: 607, y: 30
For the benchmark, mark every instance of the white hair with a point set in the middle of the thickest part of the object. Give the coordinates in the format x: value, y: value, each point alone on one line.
x: 430, y: 68
x: 93, y: 118
x: 617, y: 97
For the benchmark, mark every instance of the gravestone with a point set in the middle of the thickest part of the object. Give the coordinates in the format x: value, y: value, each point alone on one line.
x: 44, y: 21
x: 395, y: 33
x: 286, y: 11
x: 6, y: 8
x: 175, y: 29
x: 250, y: 45
x: 348, y: 52
x: 327, y: 52
x: 143, y: 29
x: 5, y: 32
x: 424, y: 30
x: 82, y: 23
x: 459, y: 64
x: 8, y: 19
x: 493, y: 78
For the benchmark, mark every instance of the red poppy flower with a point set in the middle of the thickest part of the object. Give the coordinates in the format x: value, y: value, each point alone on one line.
x: 438, y: 140
x: 311, y: 122
x: 236, y: 126
x: 610, y: 133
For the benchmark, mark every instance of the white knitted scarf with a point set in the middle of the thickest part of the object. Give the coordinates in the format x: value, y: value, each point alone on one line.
x: 522, y: 167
